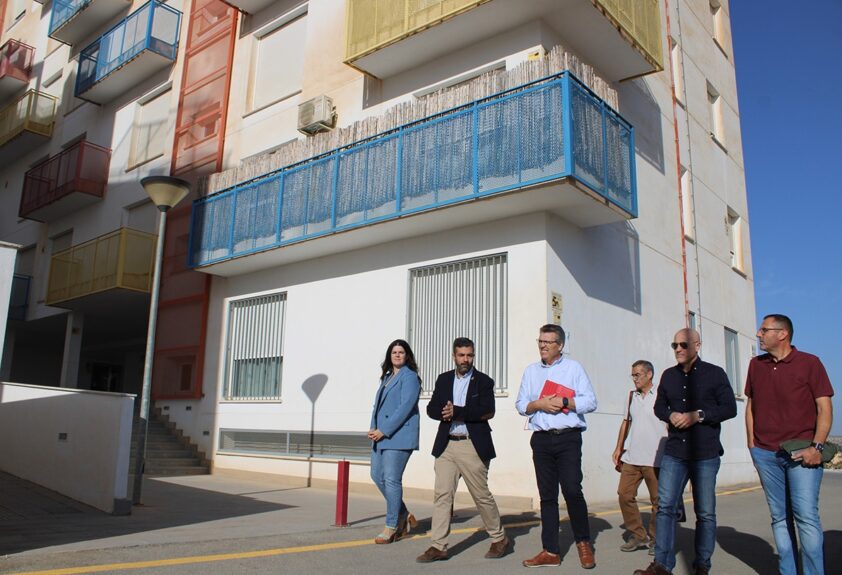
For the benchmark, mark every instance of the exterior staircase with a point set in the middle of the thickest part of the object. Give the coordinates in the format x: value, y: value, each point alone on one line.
x: 168, y: 450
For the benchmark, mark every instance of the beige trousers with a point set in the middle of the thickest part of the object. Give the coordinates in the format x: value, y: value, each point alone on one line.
x: 460, y: 459
x: 630, y: 478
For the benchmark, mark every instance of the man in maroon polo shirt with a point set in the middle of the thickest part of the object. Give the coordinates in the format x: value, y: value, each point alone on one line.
x: 789, y: 398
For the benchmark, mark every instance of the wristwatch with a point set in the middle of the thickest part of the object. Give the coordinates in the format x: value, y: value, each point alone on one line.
x: 701, y: 413
x: 565, y: 402
x: 817, y: 446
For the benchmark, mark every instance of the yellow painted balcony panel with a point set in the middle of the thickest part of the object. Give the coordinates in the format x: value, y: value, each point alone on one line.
x: 120, y: 260
x: 26, y: 123
x: 620, y: 38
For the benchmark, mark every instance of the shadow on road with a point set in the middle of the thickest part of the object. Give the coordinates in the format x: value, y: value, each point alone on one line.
x: 32, y: 517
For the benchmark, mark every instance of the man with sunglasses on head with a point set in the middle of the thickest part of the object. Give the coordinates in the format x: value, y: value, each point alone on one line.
x: 694, y: 398
x: 555, y: 394
x: 789, y: 398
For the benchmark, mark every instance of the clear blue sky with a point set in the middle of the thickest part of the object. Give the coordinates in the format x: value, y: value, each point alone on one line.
x: 789, y: 76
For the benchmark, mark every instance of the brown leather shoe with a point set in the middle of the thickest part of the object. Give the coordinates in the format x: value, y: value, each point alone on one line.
x: 654, y: 568
x: 543, y: 559
x: 498, y: 548
x: 432, y: 554
x: 586, y: 557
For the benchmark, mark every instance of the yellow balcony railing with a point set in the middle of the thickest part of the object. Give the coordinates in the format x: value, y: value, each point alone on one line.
x: 641, y: 21
x: 121, y: 259
x: 373, y: 24
x: 33, y: 112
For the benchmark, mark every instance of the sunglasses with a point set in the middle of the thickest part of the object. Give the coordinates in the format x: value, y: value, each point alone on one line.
x: 683, y: 344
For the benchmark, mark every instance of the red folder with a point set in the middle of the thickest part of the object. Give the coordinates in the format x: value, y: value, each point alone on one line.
x: 552, y: 388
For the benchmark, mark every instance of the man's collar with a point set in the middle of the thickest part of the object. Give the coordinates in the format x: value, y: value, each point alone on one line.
x: 556, y: 362
x: 787, y: 359
x: 468, y: 375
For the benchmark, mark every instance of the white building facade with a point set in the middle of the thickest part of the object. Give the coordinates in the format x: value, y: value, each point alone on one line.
x: 463, y: 168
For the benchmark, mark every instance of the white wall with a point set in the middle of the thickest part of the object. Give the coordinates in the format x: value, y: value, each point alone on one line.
x: 90, y: 463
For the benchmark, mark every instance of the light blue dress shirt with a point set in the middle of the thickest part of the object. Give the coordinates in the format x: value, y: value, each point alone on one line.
x: 568, y: 373
x: 460, y: 393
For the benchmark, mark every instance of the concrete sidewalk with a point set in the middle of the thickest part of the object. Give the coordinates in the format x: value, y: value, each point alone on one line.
x: 260, y: 525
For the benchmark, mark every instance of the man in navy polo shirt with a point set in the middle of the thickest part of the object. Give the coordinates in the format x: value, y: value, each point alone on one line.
x: 789, y: 398
x: 694, y: 398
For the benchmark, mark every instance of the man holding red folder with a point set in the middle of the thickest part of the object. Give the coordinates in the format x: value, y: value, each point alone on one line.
x: 555, y: 394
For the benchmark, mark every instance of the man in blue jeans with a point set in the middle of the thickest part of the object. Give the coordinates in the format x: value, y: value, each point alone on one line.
x: 694, y: 398
x: 789, y: 398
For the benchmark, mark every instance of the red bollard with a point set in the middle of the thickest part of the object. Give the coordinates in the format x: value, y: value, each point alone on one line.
x: 342, y: 494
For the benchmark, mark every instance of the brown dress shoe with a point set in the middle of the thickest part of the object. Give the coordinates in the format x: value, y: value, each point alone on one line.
x: 432, y: 554
x: 543, y: 559
x: 654, y: 568
x: 586, y: 557
x: 498, y: 548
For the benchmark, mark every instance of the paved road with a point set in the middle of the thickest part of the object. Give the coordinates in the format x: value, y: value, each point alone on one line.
x: 220, y: 525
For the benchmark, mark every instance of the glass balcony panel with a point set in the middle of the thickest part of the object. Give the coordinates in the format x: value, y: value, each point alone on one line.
x: 621, y: 38
x: 78, y: 174
x: 503, y: 143
x: 15, y: 67
x: 138, y: 260
x: 71, y: 21
x: 28, y: 120
x: 542, y: 134
x: 293, y: 211
x: 151, y: 29
x: 319, y: 197
x: 498, y: 160
x: 120, y: 259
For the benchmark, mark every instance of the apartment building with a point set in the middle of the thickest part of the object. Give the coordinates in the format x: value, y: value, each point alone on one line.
x: 365, y: 170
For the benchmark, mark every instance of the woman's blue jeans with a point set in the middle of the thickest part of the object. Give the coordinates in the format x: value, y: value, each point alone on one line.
x: 672, y: 480
x: 792, y: 492
x: 387, y: 467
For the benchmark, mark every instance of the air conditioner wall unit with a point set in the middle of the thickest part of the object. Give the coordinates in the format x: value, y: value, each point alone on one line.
x: 316, y: 115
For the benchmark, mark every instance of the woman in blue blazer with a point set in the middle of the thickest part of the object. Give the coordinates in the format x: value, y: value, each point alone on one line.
x: 394, y: 435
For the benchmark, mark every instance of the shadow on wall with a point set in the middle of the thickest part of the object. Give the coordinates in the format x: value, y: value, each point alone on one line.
x: 604, y: 260
x: 638, y: 106
x: 312, y: 388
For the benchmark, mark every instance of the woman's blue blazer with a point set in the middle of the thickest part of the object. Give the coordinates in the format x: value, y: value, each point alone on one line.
x: 395, y: 410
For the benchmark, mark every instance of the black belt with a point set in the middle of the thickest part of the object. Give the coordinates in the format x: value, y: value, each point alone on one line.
x: 560, y: 431
x: 457, y: 437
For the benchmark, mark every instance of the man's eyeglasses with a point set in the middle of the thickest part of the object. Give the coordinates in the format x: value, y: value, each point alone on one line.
x: 763, y: 330
x: 676, y: 344
x: 636, y: 376
x: 545, y: 343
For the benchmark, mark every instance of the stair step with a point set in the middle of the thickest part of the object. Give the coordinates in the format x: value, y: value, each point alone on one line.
x: 150, y: 470
x: 170, y: 462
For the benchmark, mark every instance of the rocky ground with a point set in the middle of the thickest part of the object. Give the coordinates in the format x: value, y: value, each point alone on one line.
x: 836, y: 462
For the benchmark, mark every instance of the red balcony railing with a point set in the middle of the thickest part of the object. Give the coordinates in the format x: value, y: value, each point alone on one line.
x: 66, y: 182
x: 16, y: 60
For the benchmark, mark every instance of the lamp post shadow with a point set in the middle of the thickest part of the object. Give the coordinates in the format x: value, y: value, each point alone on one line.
x: 312, y: 388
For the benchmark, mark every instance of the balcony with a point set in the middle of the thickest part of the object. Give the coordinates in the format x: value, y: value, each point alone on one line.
x: 25, y: 124
x: 552, y: 145
x: 620, y: 38
x: 15, y: 67
x: 249, y: 6
x: 19, y: 299
x: 65, y: 183
x: 71, y: 21
x: 111, y: 270
x: 132, y: 51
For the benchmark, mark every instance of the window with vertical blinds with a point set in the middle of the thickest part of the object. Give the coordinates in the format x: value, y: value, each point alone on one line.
x: 468, y: 298
x: 255, y: 348
x: 732, y: 360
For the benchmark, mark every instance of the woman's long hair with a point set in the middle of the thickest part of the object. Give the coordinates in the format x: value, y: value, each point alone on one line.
x: 386, y: 366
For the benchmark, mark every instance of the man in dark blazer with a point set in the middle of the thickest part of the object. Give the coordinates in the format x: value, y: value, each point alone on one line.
x: 463, y: 402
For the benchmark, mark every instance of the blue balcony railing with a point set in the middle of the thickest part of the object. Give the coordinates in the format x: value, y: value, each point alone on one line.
x: 544, y: 131
x: 19, y: 298
x: 152, y: 27
x: 64, y: 10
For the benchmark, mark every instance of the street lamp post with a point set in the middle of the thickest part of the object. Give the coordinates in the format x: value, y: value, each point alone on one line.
x: 165, y: 192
